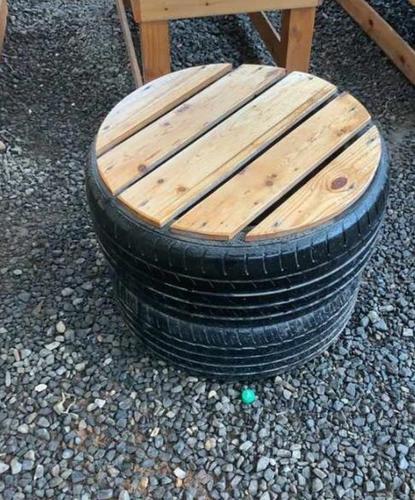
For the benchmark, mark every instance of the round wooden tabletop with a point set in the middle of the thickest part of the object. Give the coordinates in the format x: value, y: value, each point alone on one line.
x: 213, y: 152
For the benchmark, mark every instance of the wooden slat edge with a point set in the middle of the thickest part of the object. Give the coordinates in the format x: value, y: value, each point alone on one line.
x: 151, y: 10
x: 382, y: 33
x: 3, y: 23
x: 132, y: 56
x: 268, y: 33
x: 339, y: 178
x: 104, y: 145
x: 170, y: 134
x: 161, y: 186
x: 271, y: 176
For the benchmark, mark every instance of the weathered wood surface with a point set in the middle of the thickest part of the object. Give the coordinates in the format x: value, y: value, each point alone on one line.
x: 266, y: 180
x: 204, y: 164
x: 329, y: 193
x: 212, y: 152
x: 155, y: 49
x: 153, y: 100
x: 143, y: 151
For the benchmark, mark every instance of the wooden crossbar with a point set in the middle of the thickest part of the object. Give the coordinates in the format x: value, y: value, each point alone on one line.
x: 152, y: 10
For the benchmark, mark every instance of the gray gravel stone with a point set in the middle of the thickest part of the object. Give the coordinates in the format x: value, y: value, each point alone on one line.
x: 262, y: 464
x: 3, y: 467
x: 16, y: 466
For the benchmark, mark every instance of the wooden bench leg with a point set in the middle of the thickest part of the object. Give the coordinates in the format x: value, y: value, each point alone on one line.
x: 155, y: 49
x: 296, y: 38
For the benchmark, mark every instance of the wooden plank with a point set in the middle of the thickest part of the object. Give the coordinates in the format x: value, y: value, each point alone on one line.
x: 155, y: 49
x: 153, y: 100
x: 329, y: 193
x: 132, y: 56
x: 136, y: 9
x: 176, y: 184
x: 145, y: 150
x: 268, y: 33
x: 297, y: 28
x: 244, y: 197
x: 398, y: 51
x: 3, y: 22
x: 151, y: 10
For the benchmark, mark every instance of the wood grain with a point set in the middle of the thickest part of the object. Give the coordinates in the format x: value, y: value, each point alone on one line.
x: 3, y: 22
x: 148, y: 148
x: 154, y: 100
x: 329, y: 193
x: 398, y: 51
x: 155, y: 49
x: 297, y: 29
x: 151, y: 10
x: 244, y: 197
x: 176, y: 184
x: 269, y: 35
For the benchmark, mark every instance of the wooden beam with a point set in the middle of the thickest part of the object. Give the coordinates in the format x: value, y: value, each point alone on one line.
x: 398, y: 51
x: 268, y: 33
x: 155, y: 10
x: 136, y: 9
x: 155, y: 49
x: 135, y: 68
x: 297, y: 29
x: 3, y: 22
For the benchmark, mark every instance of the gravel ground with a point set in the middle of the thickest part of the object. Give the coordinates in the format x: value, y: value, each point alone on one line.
x: 84, y: 411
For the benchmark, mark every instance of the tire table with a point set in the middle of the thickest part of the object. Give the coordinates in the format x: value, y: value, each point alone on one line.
x: 237, y: 209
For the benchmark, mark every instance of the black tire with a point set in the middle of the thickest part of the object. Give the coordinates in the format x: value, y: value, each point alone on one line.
x: 194, y: 305
x: 222, y: 308
x: 236, y: 353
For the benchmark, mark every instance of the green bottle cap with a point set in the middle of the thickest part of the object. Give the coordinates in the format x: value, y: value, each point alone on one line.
x: 248, y: 396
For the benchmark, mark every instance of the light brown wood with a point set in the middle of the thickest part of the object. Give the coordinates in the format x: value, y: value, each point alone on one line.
x: 151, y: 10
x: 244, y: 197
x: 293, y: 52
x: 143, y: 151
x: 155, y: 49
x: 327, y: 194
x: 297, y: 28
x: 398, y: 51
x: 135, y: 68
x: 176, y: 184
x: 154, y: 100
x: 268, y: 33
x: 3, y: 23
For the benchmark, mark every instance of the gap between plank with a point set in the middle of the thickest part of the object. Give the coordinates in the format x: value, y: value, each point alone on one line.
x: 211, y: 126
x: 248, y: 161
